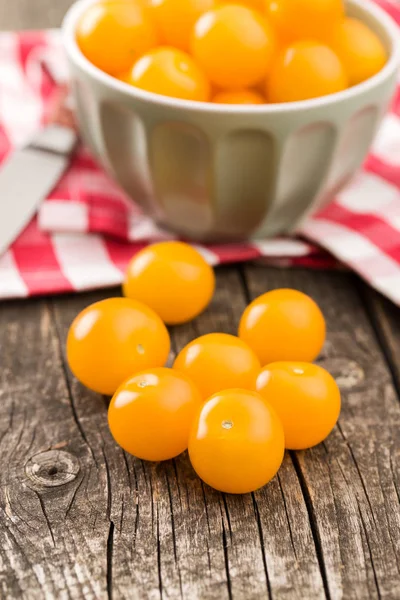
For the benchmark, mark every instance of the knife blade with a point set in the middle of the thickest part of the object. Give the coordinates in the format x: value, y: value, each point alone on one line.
x: 29, y: 175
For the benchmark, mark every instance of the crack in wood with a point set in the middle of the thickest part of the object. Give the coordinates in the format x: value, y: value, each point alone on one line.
x: 110, y: 550
x: 313, y: 523
x: 68, y: 383
x: 109, y: 489
x: 73, y: 496
x: 369, y: 550
x: 128, y: 472
x: 160, y: 583
x: 226, y: 560
x: 121, y: 519
x: 354, y: 460
x: 261, y: 536
x: 205, y: 506
x: 173, y: 530
x: 46, y: 518
x: 29, y: 448
x: 286, y: 513
x: 375, y: 315
x: 177, y: 481
x: 228, y: 519
x: 152, y: 499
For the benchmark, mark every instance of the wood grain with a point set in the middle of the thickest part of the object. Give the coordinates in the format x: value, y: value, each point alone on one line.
x: 52, y: 539
x: 81, y: 519
x: 351, y: 481
x: 269, y: 536
x: 179, y: 537
x: 384, y: 316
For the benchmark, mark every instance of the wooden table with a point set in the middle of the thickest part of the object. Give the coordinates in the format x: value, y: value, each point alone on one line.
x: 79, y: 518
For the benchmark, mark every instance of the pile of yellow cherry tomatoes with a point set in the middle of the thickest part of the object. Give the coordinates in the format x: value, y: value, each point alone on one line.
x: 248, y: 52
x: 235, y: 402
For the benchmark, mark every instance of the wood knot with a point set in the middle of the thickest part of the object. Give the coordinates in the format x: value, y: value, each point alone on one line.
x: 52, y: 468
x: 347, y: 373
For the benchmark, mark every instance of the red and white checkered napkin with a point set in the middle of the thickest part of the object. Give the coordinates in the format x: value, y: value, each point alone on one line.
x: 86, y: 231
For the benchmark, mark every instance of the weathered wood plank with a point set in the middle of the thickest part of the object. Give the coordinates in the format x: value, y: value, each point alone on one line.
x: 385, y: 317
x: 351, y: 480
x: 124, y: 526
x: 53, y: 539
x: 32, y: 14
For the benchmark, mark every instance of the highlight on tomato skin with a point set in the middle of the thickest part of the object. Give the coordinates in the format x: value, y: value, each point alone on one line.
x: 112, y: 34
x: 305, y: 70
x: 283, y: 324
x: 236, y: 443
x: 218, y: 361
x: 187, y: 281
x: 306, y: 398
x: 169, y: 72
x: 112, y: 339
x: 151, y: 413
x: 234, y: 46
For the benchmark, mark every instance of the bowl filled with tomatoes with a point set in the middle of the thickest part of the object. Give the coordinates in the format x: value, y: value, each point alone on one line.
x: 230, y: 121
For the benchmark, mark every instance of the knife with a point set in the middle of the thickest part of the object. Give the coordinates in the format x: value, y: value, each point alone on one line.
x: 29, y: 175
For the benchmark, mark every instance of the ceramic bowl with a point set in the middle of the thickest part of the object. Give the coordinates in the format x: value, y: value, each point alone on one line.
x: 225, y: 172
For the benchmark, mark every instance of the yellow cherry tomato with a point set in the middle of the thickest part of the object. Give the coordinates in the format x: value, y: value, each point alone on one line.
x: 113, y: 339
x: 306, y: 399
x: 239, y: 97
x: 125, y: 77
x: 150, y: 415
x: 253, y: 4
x: 304, y: 19
x: 236, y: 444
x: 175, y: 19
x: 233, y: 45
x: 283, y: 324
x: 305, y: 70
x: 360, y: 50
x: 112, y: 35
x: 217, y: 361
x: 170, y: 72
x: 173, y: 279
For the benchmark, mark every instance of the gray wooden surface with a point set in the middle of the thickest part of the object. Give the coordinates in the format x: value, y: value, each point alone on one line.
x: 81, y: 519
x: 32, y: 14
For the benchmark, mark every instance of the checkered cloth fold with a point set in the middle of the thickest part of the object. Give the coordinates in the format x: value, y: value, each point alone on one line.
x: 86, y: 230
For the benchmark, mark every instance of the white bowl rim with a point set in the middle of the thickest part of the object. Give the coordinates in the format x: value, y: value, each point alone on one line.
x: 367, y: 6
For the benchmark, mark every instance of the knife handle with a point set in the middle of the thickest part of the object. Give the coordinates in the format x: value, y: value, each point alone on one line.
x: 54, y: 139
